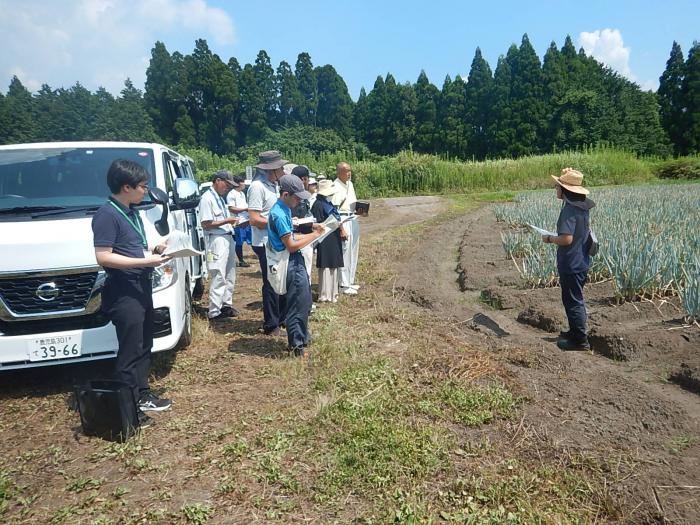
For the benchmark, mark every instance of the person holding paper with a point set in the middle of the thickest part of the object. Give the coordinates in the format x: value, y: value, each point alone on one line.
x: 127, y: 300
x: 344, y: 199
x: 329, y: 252
x: 573, y: 261
x: 281, y: 236
x: 218, y: 223
x: 238, y: 205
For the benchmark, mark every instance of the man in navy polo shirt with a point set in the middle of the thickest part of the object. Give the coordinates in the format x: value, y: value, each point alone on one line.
x: 122, y: 250
x: 282, y: 237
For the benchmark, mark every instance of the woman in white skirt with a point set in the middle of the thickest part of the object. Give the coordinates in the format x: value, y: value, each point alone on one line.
x: 329, y: 253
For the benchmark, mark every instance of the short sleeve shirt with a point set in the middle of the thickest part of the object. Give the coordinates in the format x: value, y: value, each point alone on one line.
x: 212, y: 207
x: 110, y: 229
x: 279, y: 225
x: 236, y: 199
x: 262, y: 196
x: 573, y: 258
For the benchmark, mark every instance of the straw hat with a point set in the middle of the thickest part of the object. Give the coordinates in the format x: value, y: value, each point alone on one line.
x: 326, y: 188
x: 571, y: 180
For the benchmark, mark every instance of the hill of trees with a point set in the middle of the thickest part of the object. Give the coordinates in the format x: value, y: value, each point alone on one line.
x: 525, y: 106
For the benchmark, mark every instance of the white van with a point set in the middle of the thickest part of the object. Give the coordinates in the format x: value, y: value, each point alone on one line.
x: 50, y: 283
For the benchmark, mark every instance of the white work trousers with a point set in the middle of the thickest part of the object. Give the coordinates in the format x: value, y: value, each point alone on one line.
x: 221, y: 264
x: 351, y: 251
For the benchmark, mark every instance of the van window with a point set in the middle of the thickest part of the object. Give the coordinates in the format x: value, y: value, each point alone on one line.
x: 67, y: 177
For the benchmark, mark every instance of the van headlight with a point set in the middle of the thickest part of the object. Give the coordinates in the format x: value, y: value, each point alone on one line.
x: 164, y: 275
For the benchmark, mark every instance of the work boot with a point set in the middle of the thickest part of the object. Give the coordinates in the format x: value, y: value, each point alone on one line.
x: 568, y: 345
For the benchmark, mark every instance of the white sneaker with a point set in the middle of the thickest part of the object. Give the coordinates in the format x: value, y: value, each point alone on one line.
x: 354, y: 286
x: 349, y: 291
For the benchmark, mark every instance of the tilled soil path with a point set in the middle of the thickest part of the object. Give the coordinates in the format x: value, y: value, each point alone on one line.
x: 584, y: 401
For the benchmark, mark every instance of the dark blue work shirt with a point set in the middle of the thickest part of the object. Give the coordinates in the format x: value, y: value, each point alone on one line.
x: 574, y: 220
x: 110, y: 229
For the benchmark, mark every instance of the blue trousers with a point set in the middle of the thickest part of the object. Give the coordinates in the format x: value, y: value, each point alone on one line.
x: 298, y: 302
x: 572, y: 297
x: 273, y: 304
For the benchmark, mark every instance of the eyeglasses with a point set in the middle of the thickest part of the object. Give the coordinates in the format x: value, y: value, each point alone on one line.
x: 144, y: 187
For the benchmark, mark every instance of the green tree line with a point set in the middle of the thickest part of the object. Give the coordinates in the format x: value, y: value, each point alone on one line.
x: 526, y: 106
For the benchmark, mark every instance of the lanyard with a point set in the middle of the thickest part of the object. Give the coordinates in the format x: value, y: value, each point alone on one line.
x: 135, y: 225
x: 220, y: 202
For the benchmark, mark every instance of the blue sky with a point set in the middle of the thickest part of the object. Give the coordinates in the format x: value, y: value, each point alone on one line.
x: 101, y: 42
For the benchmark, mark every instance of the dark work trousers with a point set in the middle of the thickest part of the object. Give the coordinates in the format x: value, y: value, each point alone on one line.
x: 572, y: 297
x: 239, y: 252
x: 273, y: 304
x: 129, y: 305
x: 298, y: 301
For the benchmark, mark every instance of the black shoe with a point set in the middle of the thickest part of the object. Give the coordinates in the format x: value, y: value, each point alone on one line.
x: 568, y: 345
x: 221, y: 317
x: 243, y: 264
x: 145, y: 421
x: 298, y: 351
x: 565, y: 335
x: 228, y: 311
x: 151, y: 402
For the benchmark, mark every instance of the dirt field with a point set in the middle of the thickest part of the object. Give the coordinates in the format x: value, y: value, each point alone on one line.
x: 436, y: 394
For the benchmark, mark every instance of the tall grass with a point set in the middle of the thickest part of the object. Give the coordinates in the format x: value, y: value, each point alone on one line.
x: 413, y: 173
x: 410, y: 173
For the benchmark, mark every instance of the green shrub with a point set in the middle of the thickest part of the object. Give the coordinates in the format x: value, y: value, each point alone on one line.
x: 685, y: 168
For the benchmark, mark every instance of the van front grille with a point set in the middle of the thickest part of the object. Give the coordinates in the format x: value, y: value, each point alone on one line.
x: 45, y: 295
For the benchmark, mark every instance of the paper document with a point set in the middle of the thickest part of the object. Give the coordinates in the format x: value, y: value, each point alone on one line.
x: 305, y: 220
x: 180, y: 245
x: 331, y: 224
x: 542, y: 232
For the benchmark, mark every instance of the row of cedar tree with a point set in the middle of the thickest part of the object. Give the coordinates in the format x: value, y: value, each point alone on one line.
x: 525, y: 106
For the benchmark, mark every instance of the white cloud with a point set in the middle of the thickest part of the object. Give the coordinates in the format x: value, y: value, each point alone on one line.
x: 98, y: 42
x: 607, y: 46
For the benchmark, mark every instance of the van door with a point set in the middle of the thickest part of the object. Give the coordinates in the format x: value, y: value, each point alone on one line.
x: 194, y: 227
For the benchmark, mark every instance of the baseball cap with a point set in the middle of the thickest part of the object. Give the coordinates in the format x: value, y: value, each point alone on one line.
x: 223, y: 175
x: 293, y: 185
x: 301, y: 171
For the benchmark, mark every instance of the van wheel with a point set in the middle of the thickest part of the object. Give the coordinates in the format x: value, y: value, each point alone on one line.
x: 186, y: 337
x: 198, y: 289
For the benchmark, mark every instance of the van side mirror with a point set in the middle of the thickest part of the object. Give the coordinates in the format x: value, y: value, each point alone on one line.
x: 160, y: 197
x: 186, y: 194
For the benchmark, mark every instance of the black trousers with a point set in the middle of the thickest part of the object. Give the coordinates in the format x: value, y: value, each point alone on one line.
x: 572, y: 297
x: 274, y: 306
x: 129, y: 305
x: 298, y: 302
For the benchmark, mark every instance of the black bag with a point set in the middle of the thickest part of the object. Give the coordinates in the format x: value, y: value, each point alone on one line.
x: 107, y: 410
x: 592, y: 244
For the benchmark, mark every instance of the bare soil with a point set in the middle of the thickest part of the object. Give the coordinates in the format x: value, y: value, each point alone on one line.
x: 627, y: 411
x: 636, y: 393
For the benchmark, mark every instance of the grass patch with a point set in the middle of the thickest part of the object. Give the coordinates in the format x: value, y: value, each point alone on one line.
x: 474, y: 406
x: 372, y: 441
x: 6, y: 491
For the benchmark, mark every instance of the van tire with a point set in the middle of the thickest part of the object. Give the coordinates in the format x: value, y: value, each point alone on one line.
x: 186, y: 337
x: 198, y: 289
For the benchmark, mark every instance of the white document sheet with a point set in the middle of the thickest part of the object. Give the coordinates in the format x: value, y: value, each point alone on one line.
x: 180, y: 245
x: 543, y: 232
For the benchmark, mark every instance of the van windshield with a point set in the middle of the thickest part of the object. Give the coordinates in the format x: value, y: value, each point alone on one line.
x: 62, y: 178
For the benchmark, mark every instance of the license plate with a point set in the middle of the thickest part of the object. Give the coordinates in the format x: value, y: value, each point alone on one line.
x: 49, y: 347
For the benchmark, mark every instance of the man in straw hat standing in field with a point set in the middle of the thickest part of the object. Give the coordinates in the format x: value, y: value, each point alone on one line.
x: 344, y: 199
x: 262, y: 196
x: 573, y: 242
